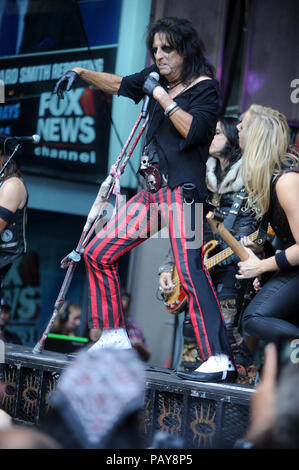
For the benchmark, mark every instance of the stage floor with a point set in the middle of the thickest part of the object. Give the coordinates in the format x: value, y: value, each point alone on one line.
x: 202, y: 415
x: 52, y: 360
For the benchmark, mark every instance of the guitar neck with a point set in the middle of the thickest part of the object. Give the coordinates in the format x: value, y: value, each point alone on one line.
x: 224, y: 254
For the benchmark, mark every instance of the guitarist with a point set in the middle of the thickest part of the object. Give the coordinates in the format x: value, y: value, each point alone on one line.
x: 226, y: 188
x: 273, y: 190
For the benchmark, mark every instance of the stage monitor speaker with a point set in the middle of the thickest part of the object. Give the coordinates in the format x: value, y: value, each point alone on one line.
x: 199, y: 415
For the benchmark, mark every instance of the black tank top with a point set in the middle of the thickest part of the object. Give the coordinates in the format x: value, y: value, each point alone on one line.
x: 278, y: 219
x: 12, y: 239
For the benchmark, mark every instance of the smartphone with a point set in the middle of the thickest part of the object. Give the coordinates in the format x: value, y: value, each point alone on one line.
x: 288, y: 352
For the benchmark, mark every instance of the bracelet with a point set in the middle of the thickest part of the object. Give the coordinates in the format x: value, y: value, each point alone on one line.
x: 169, y: 108
x: 174, y: 110
x: 282, y: 262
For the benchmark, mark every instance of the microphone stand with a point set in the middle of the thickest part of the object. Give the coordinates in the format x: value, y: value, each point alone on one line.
x: 107, y: 188
x: 7, y: 162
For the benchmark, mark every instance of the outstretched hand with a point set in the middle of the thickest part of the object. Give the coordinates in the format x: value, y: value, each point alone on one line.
x: 65, y: 83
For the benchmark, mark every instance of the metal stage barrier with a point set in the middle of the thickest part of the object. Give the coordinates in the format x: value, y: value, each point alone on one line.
x: 201, y: 415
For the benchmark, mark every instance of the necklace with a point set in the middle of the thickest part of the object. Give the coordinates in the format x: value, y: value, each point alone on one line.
x: 188, y: 85
x: 171, y: 86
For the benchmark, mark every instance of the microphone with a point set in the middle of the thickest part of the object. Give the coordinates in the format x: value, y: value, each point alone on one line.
x: 32, y: 138
x: 156, y: 76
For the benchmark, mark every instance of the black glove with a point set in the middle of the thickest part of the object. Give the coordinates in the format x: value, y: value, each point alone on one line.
x: 65, y: 83
x: 149, y: 85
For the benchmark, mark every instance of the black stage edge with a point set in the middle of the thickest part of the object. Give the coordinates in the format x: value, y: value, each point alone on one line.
x: 211, y: 415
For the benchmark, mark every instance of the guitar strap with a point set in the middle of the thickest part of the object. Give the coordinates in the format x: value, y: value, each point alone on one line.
x: 234, y: 210
x: 262, y: 231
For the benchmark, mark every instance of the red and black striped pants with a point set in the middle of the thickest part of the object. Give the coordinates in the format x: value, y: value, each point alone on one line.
x: 135, y: 222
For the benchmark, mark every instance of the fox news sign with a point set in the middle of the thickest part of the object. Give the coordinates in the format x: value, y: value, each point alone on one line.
x: 74, y: 131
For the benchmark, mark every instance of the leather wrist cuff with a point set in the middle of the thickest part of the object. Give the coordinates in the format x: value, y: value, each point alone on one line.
x: 282, y: 262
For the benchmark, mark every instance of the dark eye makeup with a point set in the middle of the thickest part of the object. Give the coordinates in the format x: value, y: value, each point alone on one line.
x: 166, y: 49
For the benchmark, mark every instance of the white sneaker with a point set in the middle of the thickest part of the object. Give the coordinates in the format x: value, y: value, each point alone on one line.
x: 115, y: 338
x: 217, y: 368
x: 217, y: 363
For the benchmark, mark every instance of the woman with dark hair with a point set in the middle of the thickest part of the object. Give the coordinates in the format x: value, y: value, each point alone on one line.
x: 226, y: 186
x: 183, y: 109
x: 13, y: 203
x: 226, y: 189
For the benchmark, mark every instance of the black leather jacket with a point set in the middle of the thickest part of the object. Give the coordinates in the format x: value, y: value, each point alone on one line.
x: 231, y: 185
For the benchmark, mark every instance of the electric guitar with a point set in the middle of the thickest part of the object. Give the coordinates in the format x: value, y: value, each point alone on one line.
x: 176, y: 301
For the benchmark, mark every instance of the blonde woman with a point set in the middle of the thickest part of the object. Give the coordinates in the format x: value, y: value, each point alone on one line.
x: 271, y: 177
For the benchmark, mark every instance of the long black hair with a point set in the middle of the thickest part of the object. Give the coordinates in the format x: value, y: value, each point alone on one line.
x: 231, y: 150
x: 182, y: 37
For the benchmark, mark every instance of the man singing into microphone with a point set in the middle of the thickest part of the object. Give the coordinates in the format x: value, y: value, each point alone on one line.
x: 183, y: 109
x: 13, y: 203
